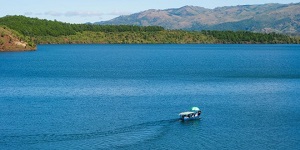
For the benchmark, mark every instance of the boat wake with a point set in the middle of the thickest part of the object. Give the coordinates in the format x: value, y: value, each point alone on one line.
x: 98, y: 139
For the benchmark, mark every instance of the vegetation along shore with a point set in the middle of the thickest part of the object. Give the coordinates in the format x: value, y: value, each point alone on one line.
x: 23, y: 33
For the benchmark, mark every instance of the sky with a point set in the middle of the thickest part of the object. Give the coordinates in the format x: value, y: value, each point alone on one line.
x: 83, y: 11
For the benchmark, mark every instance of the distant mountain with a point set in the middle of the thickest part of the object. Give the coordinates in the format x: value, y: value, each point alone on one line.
x: 279, y: 18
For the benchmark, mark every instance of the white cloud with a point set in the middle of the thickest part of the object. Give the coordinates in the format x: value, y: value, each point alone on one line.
x: 76, y: 16
x: 77, y: 13
x: 28, y: 13
x: 53, y: 13
x: 82, y: 13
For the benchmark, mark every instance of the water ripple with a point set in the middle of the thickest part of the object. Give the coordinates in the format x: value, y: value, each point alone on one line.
x: 112, y: 138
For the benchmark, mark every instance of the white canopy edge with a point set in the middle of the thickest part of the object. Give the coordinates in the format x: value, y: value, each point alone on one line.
x: 186, y: 113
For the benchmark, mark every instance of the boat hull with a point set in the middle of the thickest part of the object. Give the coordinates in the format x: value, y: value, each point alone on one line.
x: 185, y: 116
x: 191, y: 118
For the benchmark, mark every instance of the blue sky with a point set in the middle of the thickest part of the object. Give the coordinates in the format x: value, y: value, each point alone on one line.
x: 82, y: 11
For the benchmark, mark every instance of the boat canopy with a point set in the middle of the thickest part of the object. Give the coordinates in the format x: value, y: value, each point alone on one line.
x: 186, y: 113
x: 195, y: 109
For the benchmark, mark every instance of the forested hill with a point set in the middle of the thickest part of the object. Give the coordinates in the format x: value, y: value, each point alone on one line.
x: 41, y: 27
x: 43, y: 31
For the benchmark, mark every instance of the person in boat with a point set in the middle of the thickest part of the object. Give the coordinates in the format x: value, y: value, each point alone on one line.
x: 199, y: 112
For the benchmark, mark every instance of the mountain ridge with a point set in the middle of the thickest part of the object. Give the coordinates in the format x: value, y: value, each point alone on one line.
x: 266, y: 18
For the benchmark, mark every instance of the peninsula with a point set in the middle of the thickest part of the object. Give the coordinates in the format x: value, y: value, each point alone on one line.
x: 23, y: 33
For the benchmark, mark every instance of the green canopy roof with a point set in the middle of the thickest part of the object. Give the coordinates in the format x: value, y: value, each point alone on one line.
x: 195, y: 109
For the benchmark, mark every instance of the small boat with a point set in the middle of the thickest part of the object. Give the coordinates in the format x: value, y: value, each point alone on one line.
x: 190, y: 115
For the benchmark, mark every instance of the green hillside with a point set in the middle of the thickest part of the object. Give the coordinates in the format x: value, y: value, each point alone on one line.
x: 41, y: 27
x: 54, y: 32
x: 128, y: 37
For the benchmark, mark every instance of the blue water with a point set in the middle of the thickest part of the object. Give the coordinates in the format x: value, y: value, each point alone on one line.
x: 129, y: 97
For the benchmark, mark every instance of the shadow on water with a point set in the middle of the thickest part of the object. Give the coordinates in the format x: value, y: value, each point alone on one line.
x: 118, y: 137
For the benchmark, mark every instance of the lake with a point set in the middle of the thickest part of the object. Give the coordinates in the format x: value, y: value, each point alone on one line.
x: 129, y: 97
